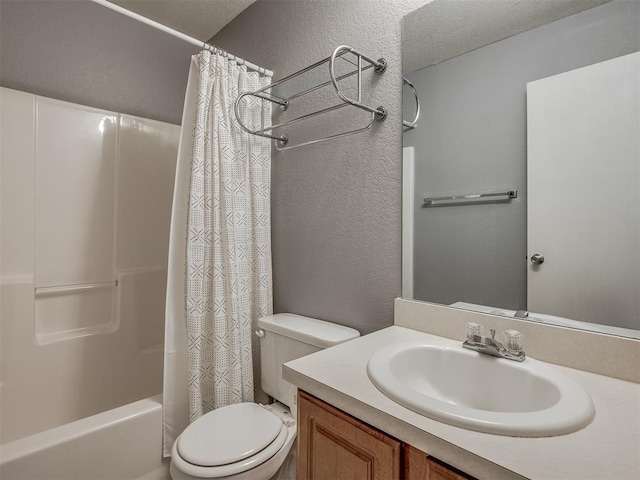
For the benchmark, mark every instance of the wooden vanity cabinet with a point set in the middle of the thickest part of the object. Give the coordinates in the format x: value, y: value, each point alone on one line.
x: 335, y: 446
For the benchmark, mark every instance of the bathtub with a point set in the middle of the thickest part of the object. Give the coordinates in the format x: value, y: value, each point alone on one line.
x: 123, y: 443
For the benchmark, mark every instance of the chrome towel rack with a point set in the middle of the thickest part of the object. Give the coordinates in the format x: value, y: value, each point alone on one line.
x: 470, y: 198
x: 363, y: 63
x: 414, y: 123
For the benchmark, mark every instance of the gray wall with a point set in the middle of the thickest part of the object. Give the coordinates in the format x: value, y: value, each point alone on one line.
x: 336, y: 206
x: 472, y: 138
x: 81, y: 52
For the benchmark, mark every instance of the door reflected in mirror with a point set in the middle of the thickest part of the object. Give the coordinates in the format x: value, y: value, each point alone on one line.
x: 522, y: 174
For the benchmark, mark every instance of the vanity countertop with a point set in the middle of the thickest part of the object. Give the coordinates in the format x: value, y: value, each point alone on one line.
x: 609, y: 447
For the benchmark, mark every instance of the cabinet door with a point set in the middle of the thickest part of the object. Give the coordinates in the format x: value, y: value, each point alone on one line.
x: 419, y: 466
x: 334, y: 446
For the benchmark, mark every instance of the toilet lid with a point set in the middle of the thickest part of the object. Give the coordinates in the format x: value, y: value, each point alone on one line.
x: 228, y: 434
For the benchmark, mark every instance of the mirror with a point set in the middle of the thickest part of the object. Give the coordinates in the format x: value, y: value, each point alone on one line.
x: 521, y: 197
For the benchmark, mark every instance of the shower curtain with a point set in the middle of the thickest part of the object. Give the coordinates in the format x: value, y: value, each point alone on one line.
x: 219, y: 278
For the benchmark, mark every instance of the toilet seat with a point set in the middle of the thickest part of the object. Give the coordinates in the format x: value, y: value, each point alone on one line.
x: 242, y: 452
x: 228, y: 435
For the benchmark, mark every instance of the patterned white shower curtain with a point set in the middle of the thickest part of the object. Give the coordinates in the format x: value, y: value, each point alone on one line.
x: 219, y: 280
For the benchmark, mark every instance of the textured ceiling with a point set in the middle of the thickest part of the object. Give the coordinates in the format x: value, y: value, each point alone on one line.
x: 443, y: 29
x: 201, y: 19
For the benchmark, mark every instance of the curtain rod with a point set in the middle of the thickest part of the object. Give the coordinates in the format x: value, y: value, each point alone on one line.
x: 182, y: 36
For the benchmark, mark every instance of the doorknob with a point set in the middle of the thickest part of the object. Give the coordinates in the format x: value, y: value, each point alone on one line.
x: 537, y: 259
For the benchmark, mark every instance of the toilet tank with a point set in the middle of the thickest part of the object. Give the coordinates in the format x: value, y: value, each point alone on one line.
x: 288, y: 336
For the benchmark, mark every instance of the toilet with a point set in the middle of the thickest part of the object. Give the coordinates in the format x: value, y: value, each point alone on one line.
x: 250, y: 441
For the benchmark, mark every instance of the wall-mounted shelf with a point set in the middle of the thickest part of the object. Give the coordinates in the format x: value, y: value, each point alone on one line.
x: 76, y: 288
x: 362, y: 64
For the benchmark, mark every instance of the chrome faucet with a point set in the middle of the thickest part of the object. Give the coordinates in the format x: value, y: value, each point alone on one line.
x: 491, y: 346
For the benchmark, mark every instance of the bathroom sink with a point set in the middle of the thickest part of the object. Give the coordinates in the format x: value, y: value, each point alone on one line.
x: 479, y: 392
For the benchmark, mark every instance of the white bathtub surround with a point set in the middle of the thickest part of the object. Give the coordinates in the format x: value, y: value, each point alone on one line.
x: 86, y: 198
x: 94, y: 448
x: 220, y: 247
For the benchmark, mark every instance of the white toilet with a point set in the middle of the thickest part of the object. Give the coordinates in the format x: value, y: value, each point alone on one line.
x: 249, y: 441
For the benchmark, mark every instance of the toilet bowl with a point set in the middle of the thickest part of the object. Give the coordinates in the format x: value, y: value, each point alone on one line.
x: 245, y: 441
x: 250, y: 441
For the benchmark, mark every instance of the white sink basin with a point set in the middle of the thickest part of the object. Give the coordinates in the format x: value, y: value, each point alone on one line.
x: 479, y: 392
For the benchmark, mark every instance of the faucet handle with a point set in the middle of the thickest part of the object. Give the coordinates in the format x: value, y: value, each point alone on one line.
x: 513, y: 341
x: 472, y: 330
